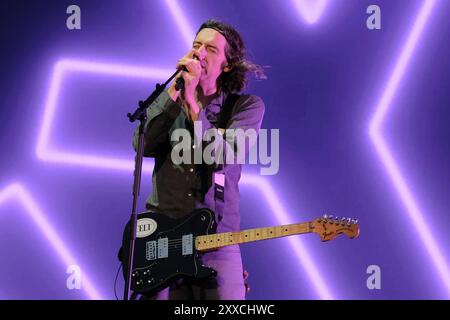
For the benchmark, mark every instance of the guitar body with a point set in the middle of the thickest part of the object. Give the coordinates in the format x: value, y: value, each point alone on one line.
x: 165, y: 249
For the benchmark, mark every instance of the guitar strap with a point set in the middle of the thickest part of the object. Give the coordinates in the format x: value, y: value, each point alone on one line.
x: 219, y: 178
x: 226, y: 110
x: 222, y: 124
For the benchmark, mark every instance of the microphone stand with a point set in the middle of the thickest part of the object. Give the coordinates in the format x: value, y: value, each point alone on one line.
x: 141, y: 115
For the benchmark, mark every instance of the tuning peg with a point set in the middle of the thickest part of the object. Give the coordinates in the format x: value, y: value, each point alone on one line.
x: 330, y: 216
x: 354, y: 221
x: 325, y: 216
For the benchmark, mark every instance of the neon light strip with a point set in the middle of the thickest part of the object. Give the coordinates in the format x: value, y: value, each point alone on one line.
x: 310, y: 11
x: 16, y: 191
x: 387, y: 158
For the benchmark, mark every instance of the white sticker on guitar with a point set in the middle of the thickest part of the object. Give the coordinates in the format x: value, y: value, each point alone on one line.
x: 145, y: 227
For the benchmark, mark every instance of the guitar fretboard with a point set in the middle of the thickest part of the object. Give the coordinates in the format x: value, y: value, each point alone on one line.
x: 217, y: 240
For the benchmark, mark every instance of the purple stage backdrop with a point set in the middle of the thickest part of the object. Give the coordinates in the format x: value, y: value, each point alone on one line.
x: 362, y: 114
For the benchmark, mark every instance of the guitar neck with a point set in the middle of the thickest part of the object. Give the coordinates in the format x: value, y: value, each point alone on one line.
x: 218, y: 240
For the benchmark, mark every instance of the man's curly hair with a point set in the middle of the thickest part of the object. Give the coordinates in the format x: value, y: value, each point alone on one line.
x: 237, y: 78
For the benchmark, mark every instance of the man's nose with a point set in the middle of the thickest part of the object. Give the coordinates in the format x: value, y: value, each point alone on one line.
x: 200, y: 53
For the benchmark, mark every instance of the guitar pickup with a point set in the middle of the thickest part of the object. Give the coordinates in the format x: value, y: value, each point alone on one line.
x: 187, y: 244
x: 163, y: 248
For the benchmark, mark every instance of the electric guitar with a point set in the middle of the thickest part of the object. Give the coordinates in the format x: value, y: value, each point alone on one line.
x: 167, y: 248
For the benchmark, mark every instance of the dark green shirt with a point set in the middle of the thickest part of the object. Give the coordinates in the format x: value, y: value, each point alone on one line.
x: 180, y: 188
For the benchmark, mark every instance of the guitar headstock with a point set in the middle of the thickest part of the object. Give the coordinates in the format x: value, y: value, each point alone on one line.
x: 329, y: 227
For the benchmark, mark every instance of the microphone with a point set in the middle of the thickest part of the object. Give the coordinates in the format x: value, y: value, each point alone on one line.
x: 180, y: 81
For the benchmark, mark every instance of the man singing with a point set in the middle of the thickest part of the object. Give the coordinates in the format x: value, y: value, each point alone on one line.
x: 215, y: 71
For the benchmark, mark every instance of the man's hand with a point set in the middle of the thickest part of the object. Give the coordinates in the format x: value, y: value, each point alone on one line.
x: 191, y: 80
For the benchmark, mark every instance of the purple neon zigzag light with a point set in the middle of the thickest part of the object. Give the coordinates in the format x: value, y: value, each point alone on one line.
x: 46, y: 152
x: 386, y: 155
x: 17, y: 192
x: 310, y: 10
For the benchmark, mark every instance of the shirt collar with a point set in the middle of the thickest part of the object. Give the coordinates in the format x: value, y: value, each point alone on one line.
x: 220, y: 99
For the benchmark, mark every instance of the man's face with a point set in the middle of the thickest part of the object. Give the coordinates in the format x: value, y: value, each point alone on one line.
x: 209, y: 46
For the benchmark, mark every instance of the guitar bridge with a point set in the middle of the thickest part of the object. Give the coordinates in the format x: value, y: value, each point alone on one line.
x: 150, y: 250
